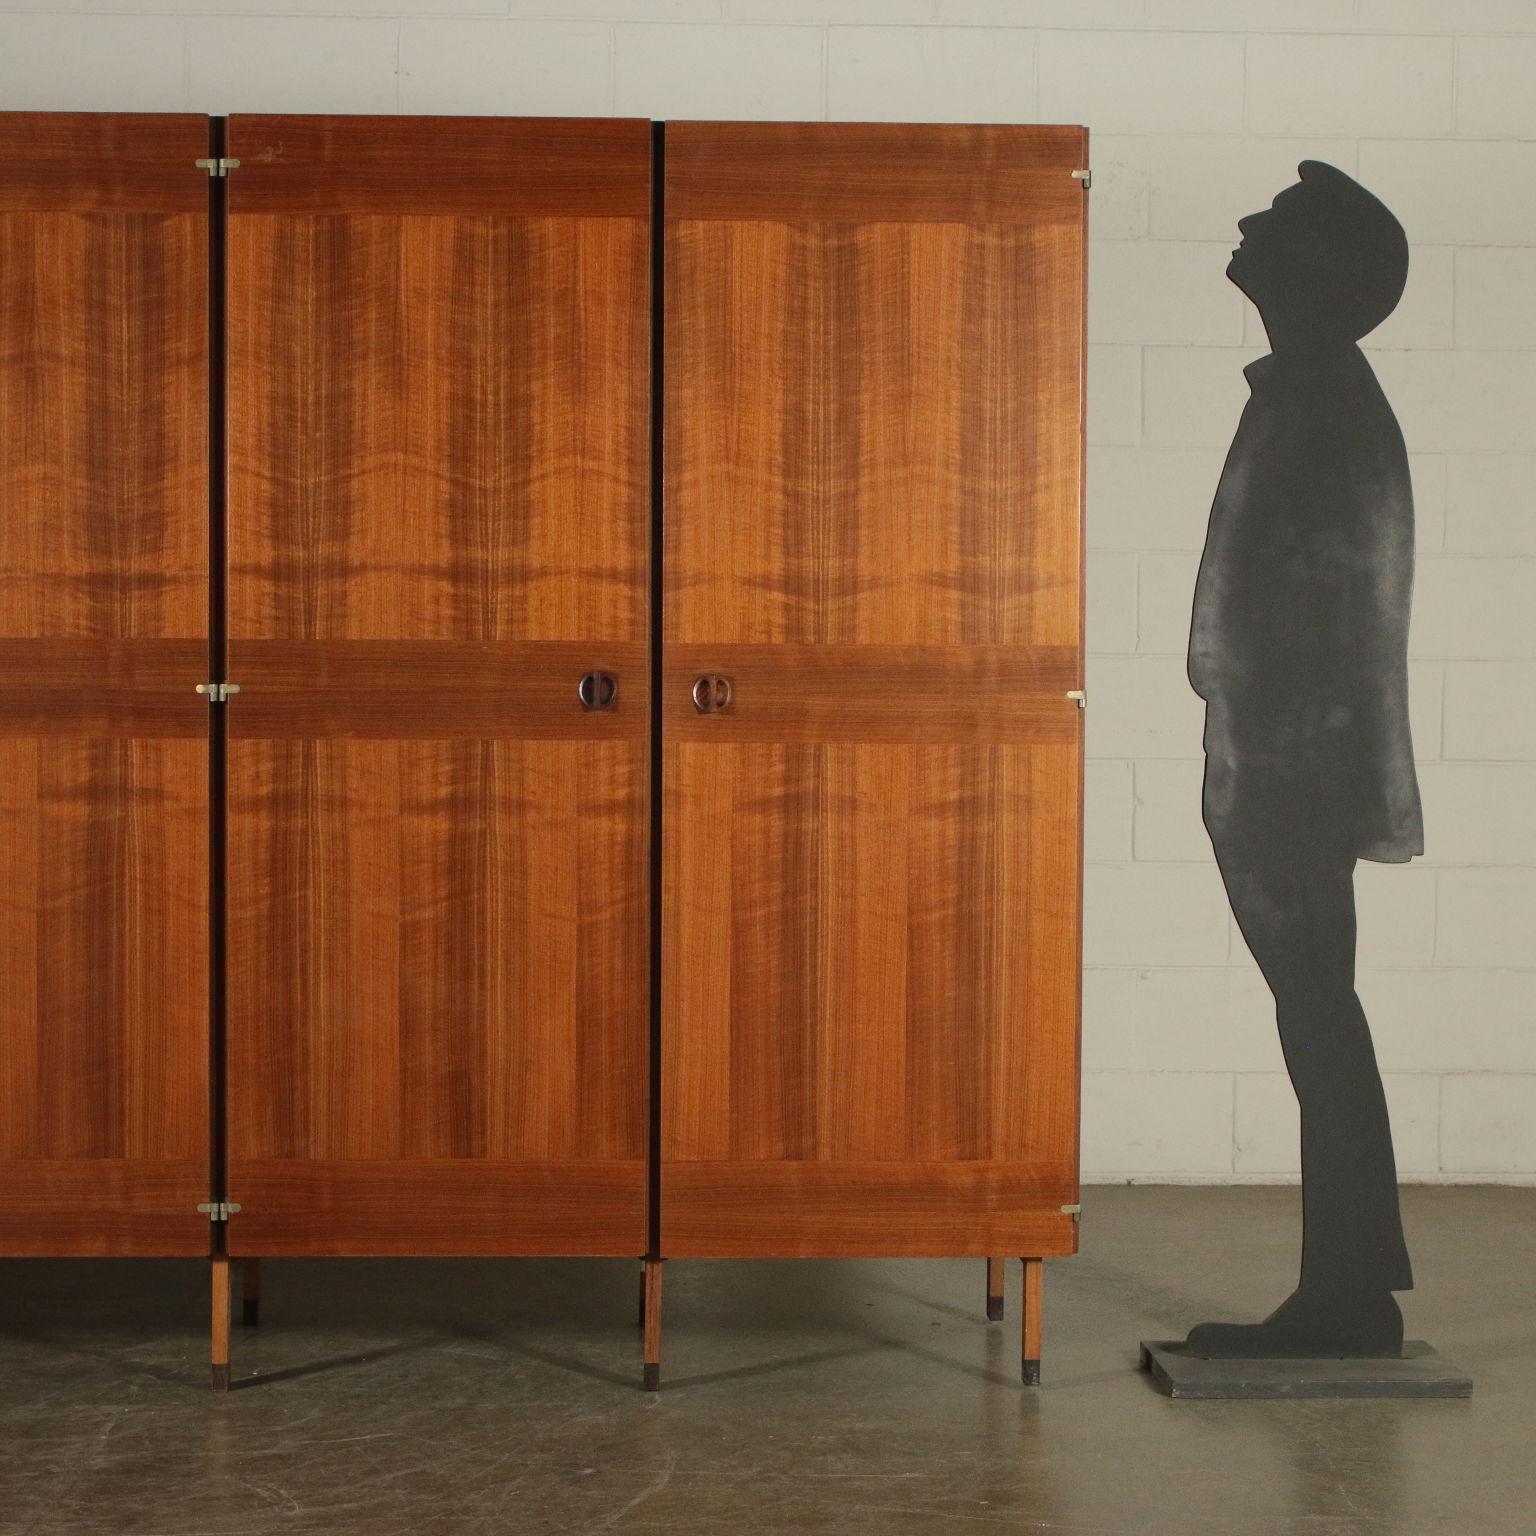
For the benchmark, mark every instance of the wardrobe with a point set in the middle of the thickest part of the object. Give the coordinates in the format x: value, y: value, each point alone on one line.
x: 540, y: 691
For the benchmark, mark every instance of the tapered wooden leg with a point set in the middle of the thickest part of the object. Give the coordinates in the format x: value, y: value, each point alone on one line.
x: 250, y: 1292
x: 994, y: 1290
x: 1034, y: 1276
x: 221, y: 1325
x: 653, y: 1325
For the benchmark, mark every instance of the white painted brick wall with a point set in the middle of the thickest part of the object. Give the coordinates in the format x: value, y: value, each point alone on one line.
x: 1200, y: 110
x: 1490, y: 503
x: 463, y: 66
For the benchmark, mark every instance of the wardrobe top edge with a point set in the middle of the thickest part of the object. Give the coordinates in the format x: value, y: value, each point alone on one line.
x: 679, y: 125
x: 572, y: 166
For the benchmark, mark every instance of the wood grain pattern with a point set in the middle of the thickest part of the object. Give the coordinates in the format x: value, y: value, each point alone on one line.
x: 437, y: 427
x: 587, y: 168
x: 911, y: 693
x: 56, y: 686
x: 859, y: 1209
x: 82, y: 163
x: 445, y: 1207
x: 440, y: 950
x: 474, y: 689
x: 873, y: 462
x: 103, y: 743
x: 866, y: 173
x: 886, y: 972
x: 831, y: 392
x: 438, y: 858
x: 104, y: 1207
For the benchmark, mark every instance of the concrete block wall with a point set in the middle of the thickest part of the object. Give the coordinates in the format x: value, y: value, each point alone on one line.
x: 1200, y: 110
x: 1184, y: 1076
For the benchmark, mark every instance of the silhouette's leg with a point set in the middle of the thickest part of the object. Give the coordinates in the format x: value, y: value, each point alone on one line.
x: 220, y: 1350
x: 994, y: 1290
x: 653, y: 1325
x: 1294, y: 901
x: 250, y: 1292
x: 1034, y: 1277
x: 1352, y: 1234
x: 1296, y: 908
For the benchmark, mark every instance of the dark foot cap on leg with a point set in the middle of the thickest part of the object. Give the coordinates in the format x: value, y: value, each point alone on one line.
x: 994, y: 1309
x: 221, y: 1378
x: 1031, y: 1373
x: 652, y: 1377
x: 250, y: 1313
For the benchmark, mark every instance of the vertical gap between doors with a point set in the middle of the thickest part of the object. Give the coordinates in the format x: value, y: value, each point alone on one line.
x: 218, y: 662
x: 658, y: 296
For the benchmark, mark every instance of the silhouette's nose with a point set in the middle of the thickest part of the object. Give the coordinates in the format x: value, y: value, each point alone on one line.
x: 1247, y: 224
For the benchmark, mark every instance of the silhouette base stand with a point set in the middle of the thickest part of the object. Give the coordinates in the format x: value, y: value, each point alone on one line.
x: 1417, y: 1372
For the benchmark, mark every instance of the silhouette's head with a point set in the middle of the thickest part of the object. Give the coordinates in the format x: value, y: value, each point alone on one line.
x: 1326, y: 262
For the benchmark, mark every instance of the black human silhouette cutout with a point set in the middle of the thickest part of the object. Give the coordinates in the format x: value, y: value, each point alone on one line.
x: 1299, y: 647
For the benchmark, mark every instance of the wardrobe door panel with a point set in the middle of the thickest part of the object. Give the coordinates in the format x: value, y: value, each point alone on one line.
x: 104, y: 1090
x: 438, y: 857
x: 873, y: 378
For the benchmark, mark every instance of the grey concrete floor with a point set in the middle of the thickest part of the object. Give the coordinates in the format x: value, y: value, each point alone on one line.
x: 430, y: 1397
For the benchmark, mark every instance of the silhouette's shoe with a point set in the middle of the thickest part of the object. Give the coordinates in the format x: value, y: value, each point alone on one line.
x: 1316, y: 1325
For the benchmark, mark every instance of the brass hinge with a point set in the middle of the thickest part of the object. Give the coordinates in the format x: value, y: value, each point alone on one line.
x: 1086, y: 177
x: 1080, y: 696
x: 218, y: 693
x: 219, y: 167
x: 1074, y: 1211
x: 218, y: 1210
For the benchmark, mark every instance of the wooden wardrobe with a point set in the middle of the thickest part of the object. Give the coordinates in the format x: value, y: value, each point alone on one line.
x: 540, y: 682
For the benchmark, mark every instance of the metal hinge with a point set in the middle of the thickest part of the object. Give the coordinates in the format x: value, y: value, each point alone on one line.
x: 1080, y: 696
x: 218, y: 693
x: 1086, y: 177
x: 218, y: 1210
x: 219, y: 167
x: 1074, y: 1211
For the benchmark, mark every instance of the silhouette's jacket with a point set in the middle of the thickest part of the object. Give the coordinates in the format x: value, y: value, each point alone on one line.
x: 1298, y: 644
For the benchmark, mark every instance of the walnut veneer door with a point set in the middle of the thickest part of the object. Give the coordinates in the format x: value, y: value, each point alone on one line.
x: 104, y: 835
x: 873, y: 376
x: 439, y: 483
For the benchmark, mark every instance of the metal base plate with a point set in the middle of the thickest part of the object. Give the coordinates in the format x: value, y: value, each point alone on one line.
x: 1418, y: 1372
